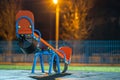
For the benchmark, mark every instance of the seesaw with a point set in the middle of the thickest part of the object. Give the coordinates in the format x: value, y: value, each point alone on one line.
x: 26, y: 33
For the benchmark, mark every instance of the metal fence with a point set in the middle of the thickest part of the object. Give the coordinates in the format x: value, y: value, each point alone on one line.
x: 87, y: 51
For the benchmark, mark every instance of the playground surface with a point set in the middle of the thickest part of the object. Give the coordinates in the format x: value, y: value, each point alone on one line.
x: 69, y: 75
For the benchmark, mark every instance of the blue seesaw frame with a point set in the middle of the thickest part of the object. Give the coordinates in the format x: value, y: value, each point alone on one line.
x: 39, y: 53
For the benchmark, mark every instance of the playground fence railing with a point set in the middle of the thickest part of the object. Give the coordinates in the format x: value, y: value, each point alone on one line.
x: 86, y: 51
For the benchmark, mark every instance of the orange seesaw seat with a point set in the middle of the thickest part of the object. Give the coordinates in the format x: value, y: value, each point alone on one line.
x: 67, y: 51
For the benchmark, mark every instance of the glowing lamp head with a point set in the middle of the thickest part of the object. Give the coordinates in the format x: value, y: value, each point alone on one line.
x: 55, y: 1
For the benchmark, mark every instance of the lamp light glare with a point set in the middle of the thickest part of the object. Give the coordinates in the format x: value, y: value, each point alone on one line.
x: 55, y: 1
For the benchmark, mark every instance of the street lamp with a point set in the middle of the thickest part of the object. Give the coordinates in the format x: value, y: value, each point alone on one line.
x: 57, y: 22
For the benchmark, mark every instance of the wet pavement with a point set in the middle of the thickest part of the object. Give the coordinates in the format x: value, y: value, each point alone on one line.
x: 70, y: 75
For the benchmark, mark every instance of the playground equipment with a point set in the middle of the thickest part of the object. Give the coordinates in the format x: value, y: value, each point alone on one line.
x: 26, y: 34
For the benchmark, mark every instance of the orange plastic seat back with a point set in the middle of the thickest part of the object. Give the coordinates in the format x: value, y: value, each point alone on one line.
x: 67, y: 51
x: 24, y: 26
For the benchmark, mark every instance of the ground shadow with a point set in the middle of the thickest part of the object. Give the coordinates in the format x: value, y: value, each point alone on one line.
x: 50, y: 77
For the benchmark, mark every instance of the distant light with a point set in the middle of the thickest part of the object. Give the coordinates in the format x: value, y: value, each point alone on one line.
x: 55, y: 1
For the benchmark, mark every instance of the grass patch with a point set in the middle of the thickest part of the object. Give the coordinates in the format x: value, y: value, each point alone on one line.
x: 96, y: 68
x: 81, y: 68
x: 20, y: 67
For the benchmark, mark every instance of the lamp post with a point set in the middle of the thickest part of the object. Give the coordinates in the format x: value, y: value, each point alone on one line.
x: 57, y: 22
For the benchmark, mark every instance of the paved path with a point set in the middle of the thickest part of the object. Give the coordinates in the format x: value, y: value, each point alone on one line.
x: 70, y: 75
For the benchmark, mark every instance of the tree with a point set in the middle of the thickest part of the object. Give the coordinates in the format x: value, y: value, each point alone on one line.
x: 70, y: 21
x: 74, y: 25
x: 8, y: 10
x: 0, y: 22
